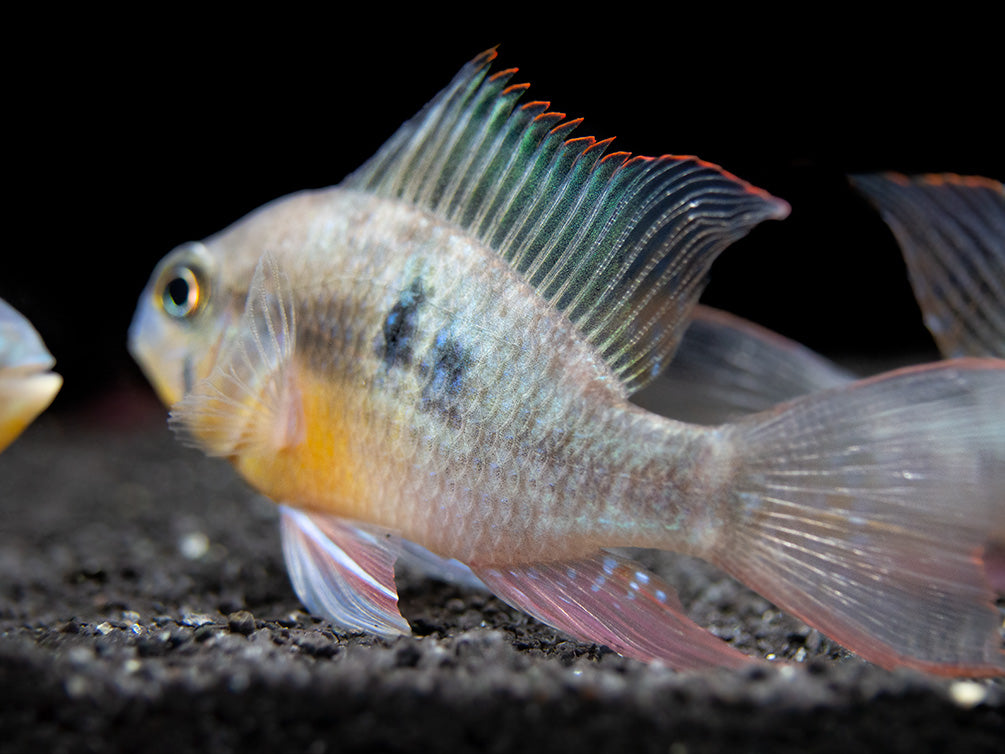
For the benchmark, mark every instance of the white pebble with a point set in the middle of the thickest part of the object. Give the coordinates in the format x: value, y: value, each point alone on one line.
x: 193, y: 545
x: 967, y: 694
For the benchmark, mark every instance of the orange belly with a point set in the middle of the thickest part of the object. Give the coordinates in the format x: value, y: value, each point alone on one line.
x: 326, y: 467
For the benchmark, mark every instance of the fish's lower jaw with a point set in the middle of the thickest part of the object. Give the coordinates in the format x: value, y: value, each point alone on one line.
x: 150, y: 345
x: 22, y: 399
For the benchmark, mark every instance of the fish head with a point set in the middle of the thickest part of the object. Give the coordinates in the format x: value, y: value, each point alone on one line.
x: 181, y: 320
x: 27, y: 385
x: 194, y: 301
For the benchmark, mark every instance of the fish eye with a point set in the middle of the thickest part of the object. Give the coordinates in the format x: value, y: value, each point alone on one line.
x: 182, y: 293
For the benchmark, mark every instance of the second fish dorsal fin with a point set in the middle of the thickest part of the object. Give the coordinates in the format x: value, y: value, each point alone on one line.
x: 951, y: 230
x: 620, y: 244
x: 250, y: 400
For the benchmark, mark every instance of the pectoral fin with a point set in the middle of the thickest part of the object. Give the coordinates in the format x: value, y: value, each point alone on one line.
x: 251, y: 400
x: 343, y: 571
x: 611, y: 600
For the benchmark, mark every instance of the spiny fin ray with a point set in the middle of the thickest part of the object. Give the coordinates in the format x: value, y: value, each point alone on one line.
x: 621, y: 245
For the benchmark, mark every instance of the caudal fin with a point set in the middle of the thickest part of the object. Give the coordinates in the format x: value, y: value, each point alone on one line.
x: 873, y: 512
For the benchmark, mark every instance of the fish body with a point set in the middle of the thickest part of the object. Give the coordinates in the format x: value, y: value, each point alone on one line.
x: 415, y: 370
x: 433, y: 360
x: 27, y: 386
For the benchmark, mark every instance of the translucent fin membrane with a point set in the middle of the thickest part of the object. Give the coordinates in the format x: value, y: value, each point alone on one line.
x: 445, y: 569
x: 343, y: 571
x: 870, y: 511
x: 951, y: 230
x: 250, y: 399
x: 613, y: 601
x: 727, y: 367
x: 620, y: 244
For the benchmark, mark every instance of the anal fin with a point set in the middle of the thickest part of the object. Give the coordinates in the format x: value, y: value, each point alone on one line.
x: 610, y: 600
x: 343, y: 571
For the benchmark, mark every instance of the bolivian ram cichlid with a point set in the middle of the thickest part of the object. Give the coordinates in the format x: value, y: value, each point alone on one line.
x: 26, y: 384
x: 951, y: 230
x: 434, y: 359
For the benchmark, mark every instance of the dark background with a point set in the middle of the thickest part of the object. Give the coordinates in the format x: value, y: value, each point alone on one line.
x: 131, y: 135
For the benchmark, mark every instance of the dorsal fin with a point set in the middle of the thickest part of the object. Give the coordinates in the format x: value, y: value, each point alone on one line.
x: 622, y: 245
x: 727, y: 367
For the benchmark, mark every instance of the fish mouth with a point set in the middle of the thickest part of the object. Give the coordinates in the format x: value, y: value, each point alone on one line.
x: 27, y: 367
x: 25, y: 392
x: 148, y: 344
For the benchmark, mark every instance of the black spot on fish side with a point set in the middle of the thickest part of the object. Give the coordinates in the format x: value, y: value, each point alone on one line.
x: 399, y: 326
x: 445, y: 369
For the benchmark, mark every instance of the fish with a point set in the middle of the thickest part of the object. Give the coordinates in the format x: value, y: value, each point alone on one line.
x: 27, y: 386
x: 432, y: 361
x: 951, y: 231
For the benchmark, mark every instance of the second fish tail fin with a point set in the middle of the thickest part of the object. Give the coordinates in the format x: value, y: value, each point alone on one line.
x: 874, y: 512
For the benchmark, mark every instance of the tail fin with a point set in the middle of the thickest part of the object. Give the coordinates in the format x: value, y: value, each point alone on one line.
x: 872, y: 512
